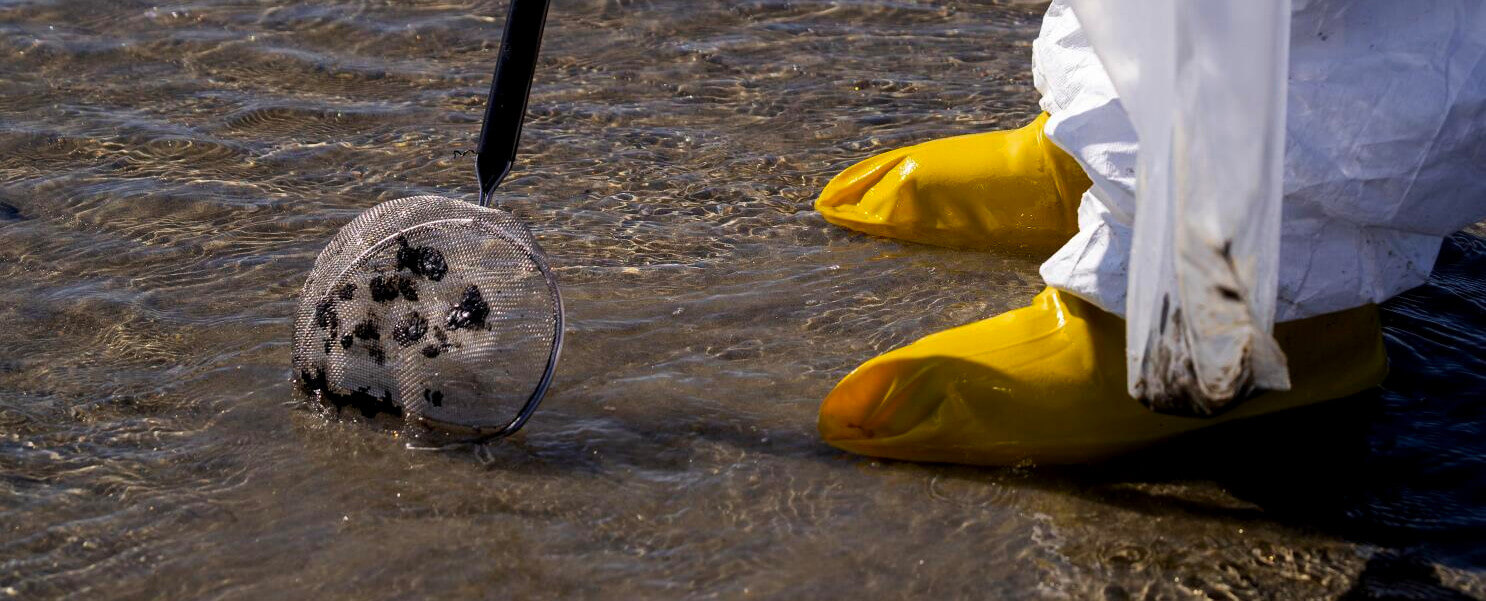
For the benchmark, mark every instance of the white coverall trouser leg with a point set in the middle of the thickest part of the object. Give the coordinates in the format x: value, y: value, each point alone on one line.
x: 1385, y: 150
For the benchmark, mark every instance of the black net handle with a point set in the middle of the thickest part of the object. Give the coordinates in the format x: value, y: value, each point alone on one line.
x: 506, y: 106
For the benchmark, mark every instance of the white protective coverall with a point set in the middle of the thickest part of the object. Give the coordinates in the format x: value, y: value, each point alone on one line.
x: 1384, y: 152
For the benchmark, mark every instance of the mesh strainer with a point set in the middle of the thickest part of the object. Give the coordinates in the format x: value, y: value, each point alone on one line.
x: 437, y: 310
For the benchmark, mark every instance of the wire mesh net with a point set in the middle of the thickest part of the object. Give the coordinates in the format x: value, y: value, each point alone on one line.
x: 434, y: 309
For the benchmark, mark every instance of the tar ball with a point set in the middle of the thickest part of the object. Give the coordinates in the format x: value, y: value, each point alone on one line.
x: 470, y: 312
x: 421, y: 260
x: 408, y: 288
x: 367, y: 330
x: 325, y: 316
x: 383, y: 288
x: 410, y: 329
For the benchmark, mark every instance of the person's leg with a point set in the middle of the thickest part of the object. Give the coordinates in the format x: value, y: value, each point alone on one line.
x: 1047, y: 382
x: 1386, y: 124
x: 1385, y: 134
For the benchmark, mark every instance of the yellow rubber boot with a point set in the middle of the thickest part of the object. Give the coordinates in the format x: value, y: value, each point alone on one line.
x: 1046, y: 383
x: 1004, y: 189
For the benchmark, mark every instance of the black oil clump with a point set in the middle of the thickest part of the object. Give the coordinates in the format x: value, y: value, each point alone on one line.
x: 386, y: 288
x: 431, y: 351
x: 421, y: 260
x: 345, y: 342
x: 325, y: 316
x: 471, y: 310
x: 408, y: 288
x: 434, y: 397
x: 346, y: 292
x: 383, y: 288
x: 367, y: 330
x: 410, y: 329
x: 376, y: 353
x: 312, y: 383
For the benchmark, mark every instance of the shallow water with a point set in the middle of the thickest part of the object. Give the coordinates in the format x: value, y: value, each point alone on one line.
x: 169, y: 172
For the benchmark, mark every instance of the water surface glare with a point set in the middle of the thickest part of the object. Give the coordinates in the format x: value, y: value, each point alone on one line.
x: 168, y: 173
